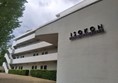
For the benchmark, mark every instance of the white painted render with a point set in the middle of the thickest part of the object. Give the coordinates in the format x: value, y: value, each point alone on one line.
x: 10, y: 50
x: 82, y: 4
x: 24, y: 39
x: 47, y: 57
x: 32, y: 47
x: 39, y: 52
x: 50, y: 65
x: 91, y: 59
x: 7, y: 58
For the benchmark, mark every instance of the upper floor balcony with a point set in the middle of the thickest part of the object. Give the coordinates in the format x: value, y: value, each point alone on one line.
x: 10, y: 50
x: 24, y: 39
x: 40, y: 58
x: 7, y: 57
x: 31, y: 47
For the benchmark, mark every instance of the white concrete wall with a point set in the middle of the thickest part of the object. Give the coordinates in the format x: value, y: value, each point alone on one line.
x: 32, y: 47
x: 7, y: 58
x: 49, y: 50
x: 43, y: 58
x: 92, y: 59
x: 26, y: 38
x: 50, y: 65
x: 10, y: 50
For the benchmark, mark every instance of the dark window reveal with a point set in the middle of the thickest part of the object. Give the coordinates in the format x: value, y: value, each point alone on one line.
x: 41, y: 67
x: 35, y: 67
x: 32, y: 67
x: 45, y: 66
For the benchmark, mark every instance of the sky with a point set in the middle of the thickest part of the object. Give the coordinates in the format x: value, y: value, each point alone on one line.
x: 39, y: 12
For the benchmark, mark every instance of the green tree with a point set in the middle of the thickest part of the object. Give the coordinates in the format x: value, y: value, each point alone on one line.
x: 10, y: 11
x: 2, y: 53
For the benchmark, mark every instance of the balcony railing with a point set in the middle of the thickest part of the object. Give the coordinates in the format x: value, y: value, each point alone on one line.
x: 40, y: 58
x: 5, y: 67
x: 32, y: 47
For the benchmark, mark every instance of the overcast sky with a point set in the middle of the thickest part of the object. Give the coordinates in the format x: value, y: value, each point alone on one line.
x: 39, y: 12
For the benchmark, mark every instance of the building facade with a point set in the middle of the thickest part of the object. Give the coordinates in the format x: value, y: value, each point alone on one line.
x: 29, y: 52
x: 87, y: 42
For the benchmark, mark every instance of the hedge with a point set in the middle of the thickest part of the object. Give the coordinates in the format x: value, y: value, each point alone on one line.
x: 1, y: 71
x: 46, y: 74
x: 19, y: 72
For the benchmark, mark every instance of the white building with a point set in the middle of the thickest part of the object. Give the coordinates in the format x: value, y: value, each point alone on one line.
x: 87, y: 42
x: 30, y: 52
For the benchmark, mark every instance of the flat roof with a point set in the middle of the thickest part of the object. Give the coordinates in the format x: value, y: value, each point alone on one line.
x: 81, y: 4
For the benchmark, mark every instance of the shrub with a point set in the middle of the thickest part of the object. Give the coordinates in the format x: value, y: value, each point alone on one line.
x: 1, y: 71
x: 46, y: 74
x: 19, y: 72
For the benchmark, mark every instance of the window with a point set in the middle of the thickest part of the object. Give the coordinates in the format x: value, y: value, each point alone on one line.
x: 32, y: 67
x: 41, y: 67
x: 45, y: 66
x: 35, y: 67
x: 42, y: 53
x: 16, y: 67
x: 33, y: 54
x: 46, y: 52
x: 12, y: 67
x: 17, y: 57
x: 21, y: 67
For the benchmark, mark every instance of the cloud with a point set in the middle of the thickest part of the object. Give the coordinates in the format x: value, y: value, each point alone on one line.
x: 39, y: 12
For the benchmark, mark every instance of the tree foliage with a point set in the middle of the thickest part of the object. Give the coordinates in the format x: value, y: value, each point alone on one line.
x: 10, y: 11
x: 2, y: 53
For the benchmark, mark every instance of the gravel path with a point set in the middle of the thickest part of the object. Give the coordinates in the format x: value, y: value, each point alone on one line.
x: 10, y: 78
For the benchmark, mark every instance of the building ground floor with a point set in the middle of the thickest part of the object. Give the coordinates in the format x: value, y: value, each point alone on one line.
x: 49, y: 65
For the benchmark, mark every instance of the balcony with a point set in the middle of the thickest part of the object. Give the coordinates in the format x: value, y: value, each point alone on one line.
x: 7, y: 58
x: 10, y: 50
x: 24, y: 39
x: 32, y: 47
x: 5, y: 67
x: 40, y: 58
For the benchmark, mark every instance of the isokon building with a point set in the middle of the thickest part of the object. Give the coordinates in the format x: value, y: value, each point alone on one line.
x: 81, y: 44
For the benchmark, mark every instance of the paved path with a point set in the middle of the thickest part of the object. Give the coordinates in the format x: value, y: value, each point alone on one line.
x: 10, y: 78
